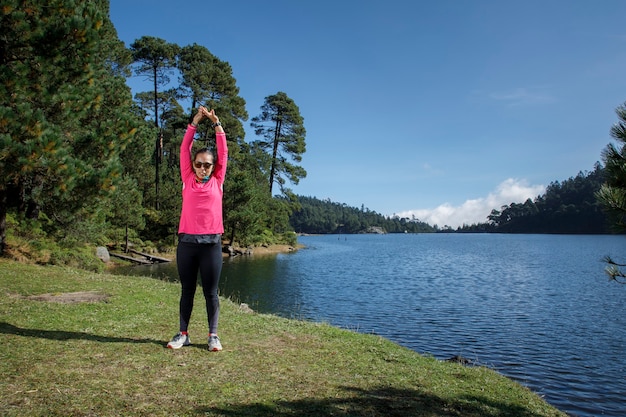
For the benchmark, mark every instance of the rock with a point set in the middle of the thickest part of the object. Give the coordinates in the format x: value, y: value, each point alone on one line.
x: 459, y: 359
x: 376, y: 230
x: 232, y: 251
x: 103, y: 254
x: 245, y: 308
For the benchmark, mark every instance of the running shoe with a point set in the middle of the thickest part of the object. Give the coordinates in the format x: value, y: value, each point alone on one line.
x: 179, y: 340
x: 214, y: 344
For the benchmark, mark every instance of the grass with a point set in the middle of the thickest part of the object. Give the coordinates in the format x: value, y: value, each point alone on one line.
x: 108, y: 358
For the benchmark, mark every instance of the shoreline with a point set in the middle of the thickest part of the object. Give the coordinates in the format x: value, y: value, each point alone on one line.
x: 239, y: 251
x: 266, y: 250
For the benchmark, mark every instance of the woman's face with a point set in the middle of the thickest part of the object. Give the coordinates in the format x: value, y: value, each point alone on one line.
x: 203, y: 165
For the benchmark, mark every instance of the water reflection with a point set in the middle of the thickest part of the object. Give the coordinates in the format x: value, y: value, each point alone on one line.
x: 263, y: 283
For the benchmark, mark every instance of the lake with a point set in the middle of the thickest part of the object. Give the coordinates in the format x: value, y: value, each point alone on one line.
x: 536, y: 308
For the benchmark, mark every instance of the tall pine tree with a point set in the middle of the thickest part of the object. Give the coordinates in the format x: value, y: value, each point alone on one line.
x: 282, y: 128
x: 156, y: 59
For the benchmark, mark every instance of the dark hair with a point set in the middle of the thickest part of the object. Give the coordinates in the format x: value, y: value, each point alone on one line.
x: 205, y: 150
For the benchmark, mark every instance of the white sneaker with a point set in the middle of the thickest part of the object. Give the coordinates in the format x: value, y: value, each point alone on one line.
x: 179, y: 340
x: 214, y: 344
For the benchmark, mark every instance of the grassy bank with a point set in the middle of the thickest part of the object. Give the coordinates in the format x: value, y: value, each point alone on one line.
x: 107, y: 357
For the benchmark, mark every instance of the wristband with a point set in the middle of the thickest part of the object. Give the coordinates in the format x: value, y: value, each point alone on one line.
x: 193, y: 124
x: 216, y: 124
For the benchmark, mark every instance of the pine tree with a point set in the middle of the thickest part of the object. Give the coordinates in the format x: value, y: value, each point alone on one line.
x: 156, y: 59
x: 63, y: 113
x: 282, y: 128
x: 612, y: 194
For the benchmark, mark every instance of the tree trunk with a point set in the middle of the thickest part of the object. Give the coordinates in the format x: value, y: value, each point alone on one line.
x: 232, y: 236
x: 3, y: 220
x: 157, y: 152
x: 274, y: 154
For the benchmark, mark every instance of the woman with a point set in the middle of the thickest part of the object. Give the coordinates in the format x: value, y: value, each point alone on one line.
x: 200, y: 228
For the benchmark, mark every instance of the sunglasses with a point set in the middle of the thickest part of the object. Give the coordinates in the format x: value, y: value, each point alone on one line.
x: 206, y: 165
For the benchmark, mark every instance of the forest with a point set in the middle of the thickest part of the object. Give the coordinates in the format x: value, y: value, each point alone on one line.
x: 86, y: 163
x: 324, y: 216
x: 567, y: 207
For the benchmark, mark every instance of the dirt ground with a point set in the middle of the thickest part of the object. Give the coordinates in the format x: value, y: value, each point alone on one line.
x: 71, y: 297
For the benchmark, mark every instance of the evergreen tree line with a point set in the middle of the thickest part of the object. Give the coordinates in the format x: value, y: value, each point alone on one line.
x: 84, y: 161
x: 568, y: 207
x: 324, y: 216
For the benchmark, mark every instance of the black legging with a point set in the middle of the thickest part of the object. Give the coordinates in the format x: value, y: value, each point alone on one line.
x: 206, y: 258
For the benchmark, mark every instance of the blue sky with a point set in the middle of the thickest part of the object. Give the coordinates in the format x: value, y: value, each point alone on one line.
x: 442, y: 109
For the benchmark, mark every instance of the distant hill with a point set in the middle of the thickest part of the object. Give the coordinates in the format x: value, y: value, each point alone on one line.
x: 568, y: 207
x: 325, y: 217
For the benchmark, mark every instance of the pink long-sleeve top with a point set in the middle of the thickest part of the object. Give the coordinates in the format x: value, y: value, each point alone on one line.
x: 202, y: 202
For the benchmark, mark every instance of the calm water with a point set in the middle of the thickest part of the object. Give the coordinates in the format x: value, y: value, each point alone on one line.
x: 537, y: 308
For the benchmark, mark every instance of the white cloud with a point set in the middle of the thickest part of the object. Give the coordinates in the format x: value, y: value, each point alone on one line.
x: 522, y: 96
x: 477, y: 210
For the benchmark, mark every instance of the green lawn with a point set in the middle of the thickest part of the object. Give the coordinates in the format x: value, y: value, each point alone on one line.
x: 108, y: 358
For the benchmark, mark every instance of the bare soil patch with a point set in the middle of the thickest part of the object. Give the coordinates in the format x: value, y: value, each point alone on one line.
x: 71, y: 297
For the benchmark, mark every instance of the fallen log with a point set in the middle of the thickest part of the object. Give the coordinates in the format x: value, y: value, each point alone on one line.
x: 131, y: 259
x: 149, y: 257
